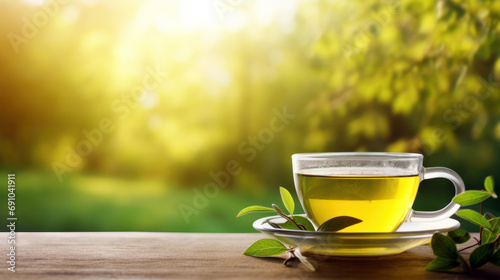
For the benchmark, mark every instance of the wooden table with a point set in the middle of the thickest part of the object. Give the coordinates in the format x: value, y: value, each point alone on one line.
x: 144, y: 255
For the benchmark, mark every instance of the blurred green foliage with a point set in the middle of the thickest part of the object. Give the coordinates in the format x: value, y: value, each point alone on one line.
x: 399, y: 76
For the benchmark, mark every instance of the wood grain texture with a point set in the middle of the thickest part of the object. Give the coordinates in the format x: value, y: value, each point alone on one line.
x: 141, y: 255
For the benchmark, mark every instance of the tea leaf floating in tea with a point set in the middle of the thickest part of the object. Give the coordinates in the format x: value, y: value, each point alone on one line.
x: 448, y: 257
x: 338, y: 223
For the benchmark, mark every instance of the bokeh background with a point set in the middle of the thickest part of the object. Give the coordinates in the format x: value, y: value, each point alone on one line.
x: 119, y: 115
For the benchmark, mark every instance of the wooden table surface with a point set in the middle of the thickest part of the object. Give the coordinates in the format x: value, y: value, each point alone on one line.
x: 145, y: 255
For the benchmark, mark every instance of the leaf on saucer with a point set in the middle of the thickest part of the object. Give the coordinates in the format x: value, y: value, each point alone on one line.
x: 300, y: 220
x: 265, y: 247
x: 490, y: 186
x: 338, y: 223
x: 481, y: 255
x: 256, y: 208
x: 487, y: 235
x: 287, y: 200
x: 471, y: 197
x: 443, y: 246
x: 442, y: 264
x: 289, y: 219
x: 274, y: 225
x: 459, y: 236
x: 305, y: 222
x: 474, y: 217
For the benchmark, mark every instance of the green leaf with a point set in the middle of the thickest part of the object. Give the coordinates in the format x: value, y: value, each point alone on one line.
x: 254, y: 209
x: 289, y: 225
x: 443, y: 246
x: 287, y: 200
x: 463, y: 263
x: 442, y: 264
x: 489, y: 216
x: 481, y: 255
x: 265, y: 247
x: 487, y: 235
x: 489, y: 185
x: 495, y: 224
x: 300, y: 220
x: 459, y: 236
x: 474, y: 217
x: 471, y: 197
x: 304, y: 221
x: 338, y: 223
x: 495, y: 258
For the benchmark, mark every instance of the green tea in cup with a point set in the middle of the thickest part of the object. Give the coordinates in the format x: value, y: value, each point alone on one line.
x: 377, y: 188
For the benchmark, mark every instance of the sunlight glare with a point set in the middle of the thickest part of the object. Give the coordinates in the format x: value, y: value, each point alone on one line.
x: 70, y: 14
x: 197, y: 14
x: 35, y: 2
x: 149, y: 100
x: 155, y: 122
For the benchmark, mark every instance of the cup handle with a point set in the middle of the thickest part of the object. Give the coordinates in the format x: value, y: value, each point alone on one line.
x: 448, y: 210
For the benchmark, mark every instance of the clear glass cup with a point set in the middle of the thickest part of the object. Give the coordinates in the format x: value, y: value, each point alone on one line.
x: 377, y: 188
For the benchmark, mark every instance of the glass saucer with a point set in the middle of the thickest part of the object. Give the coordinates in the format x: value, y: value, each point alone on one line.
x: 407, y: 236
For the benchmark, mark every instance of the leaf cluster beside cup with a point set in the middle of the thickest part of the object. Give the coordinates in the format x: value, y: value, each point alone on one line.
x: 488, y: 250
x: 270, y: 247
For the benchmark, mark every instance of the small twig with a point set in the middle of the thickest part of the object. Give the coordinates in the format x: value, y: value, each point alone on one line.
x: 301, y: 226
x: 291, y: 258
x: 278, y: 210
x: 274, y: 225
x: 477, y: 243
